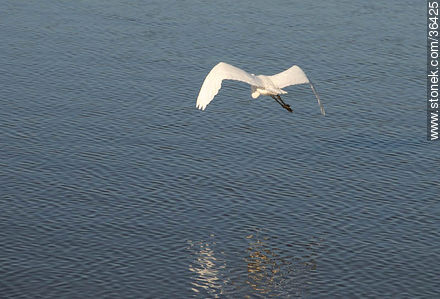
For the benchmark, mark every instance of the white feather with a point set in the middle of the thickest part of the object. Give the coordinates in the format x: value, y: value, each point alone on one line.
x: 292, y: 76
x: 213, y: 82
x: 265, y: 85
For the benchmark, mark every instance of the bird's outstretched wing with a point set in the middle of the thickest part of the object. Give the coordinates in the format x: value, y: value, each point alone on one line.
x: 213, y: 82
x: 317, y: 97
x: 293, y: 76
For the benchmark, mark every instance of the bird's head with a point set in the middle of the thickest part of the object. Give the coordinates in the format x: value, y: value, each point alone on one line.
x: 255, y: 94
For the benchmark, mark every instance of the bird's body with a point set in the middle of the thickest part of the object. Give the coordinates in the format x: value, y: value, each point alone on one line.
x: 266, y: 88
x: 260, y: 85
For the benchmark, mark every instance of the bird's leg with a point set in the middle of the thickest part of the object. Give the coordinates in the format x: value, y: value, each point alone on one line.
x: 276, y: 99
x: 281, y: 100
x: 284, y: 105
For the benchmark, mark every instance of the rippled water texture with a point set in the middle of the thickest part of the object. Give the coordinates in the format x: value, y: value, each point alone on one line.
x: 114, y: 185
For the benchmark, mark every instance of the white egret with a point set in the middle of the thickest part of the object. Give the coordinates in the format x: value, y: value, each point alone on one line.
x: 260, y: 85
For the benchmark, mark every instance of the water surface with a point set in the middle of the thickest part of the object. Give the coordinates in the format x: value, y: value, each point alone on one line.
x: 114, y: 185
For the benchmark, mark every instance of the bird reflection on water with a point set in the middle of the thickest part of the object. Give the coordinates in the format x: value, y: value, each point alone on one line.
x: 268, y: 269
x: 207, y: 269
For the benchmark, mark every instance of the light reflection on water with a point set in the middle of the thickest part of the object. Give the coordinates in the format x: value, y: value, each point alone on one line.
x: 207, y: 269
x: 267, y: 270
x: 108, y: 169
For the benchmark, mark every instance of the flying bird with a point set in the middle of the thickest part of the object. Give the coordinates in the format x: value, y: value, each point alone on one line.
x: 260, y: 84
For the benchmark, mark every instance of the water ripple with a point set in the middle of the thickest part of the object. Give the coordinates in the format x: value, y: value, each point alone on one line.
x: 114, y: 185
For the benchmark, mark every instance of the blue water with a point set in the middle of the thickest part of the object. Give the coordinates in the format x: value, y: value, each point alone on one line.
x: 113, y: 185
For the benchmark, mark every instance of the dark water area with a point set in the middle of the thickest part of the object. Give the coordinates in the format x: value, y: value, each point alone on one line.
x: 114, y: 185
